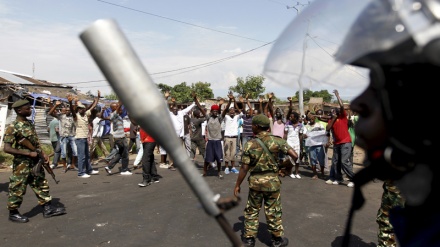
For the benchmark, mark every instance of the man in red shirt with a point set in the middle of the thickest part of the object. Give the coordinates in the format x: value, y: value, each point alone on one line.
x: 149, y: 170
x: 338, y: 124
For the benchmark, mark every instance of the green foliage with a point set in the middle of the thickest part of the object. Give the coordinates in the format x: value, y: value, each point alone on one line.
x: 252, y: 85
x: 164, y: 88
x: 203, y: 90
x: 111, y: 96
x: 182, y: 93
x: 6, y: 159
x: 307, y: 94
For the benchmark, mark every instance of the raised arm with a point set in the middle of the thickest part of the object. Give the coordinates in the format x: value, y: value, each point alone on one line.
x: 231, y: 98
x: 341, y: 104
x: 202, y: 111
x: 52, y: 110
x: 269, y: 107
x: 95, y: 101
x: 248, y: 103
x: 290, y: 107
x: 70, y: 99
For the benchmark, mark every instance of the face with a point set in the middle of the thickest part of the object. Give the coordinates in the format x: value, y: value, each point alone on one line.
x: 113, y: 106
x: 248, y: 113
x: 278, y: 113
x: 370, y: 128
x: 214, y: 113
x: 231, y: 112
x: 255, y: 112
x: 174, y: 110
x: 25, y: 111
x: 82, y: 111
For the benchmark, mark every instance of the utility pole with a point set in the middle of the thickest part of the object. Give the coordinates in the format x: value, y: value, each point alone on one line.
x: 300, y: 79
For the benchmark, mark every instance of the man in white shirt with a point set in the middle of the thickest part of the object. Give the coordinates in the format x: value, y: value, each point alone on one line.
x: 177, y: 119
x: 230, y: 137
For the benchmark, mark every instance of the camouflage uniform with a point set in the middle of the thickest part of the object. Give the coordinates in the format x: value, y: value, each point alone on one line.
x: 264, y: 184
x: 22, y: 166
x: 391, y: 198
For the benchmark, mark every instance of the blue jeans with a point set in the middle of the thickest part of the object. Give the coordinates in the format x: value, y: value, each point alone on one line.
x: 83, y: 156
x: 317, y: 155
x: 57, y: 152
x: 69, y: 140
x: 341, y: 161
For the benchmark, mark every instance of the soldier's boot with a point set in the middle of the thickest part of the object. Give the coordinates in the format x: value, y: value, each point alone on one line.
x: 49, y: 210
x: 279, y: 242
x: 15, y: 216
x: 249, y: 242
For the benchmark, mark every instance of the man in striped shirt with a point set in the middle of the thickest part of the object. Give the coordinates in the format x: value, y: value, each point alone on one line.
x: 120, y: 141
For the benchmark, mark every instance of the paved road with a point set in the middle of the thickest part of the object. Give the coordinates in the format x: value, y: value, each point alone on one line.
x: 113, y: 211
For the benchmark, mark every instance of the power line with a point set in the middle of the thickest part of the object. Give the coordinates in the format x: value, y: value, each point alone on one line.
x: 187, y: 23
x: 189, y: 68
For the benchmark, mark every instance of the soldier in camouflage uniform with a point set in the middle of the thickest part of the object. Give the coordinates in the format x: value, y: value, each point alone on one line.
x: 264, y: 183
x: 390, y: 198
x: 24, y: 160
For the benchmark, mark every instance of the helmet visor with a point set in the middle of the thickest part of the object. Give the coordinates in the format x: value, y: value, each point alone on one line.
x: 316, y: 48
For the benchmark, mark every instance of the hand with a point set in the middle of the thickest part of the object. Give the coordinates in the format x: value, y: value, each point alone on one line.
x: 289, y: 98
x: 193, y: 94
x: 46, y: 158
x: 48, y: 99
x: 236, y: 191
x: 222, y: 101
x: 270, y: 95
x: 260, y: 99
x: 57, y: 102
x: 33, y: 154
x: 167, y: 94
x: 247, y: 96
x: 241, y: 99
x: 99, y: 94
x: 69, y: 98
x: 173, y: 99
x: 336, y: 92
x: 231, y: 97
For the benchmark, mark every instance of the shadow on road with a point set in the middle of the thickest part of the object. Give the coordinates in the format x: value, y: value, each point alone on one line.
x: 355, y: 241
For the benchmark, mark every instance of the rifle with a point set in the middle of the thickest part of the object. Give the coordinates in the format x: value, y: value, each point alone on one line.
x: 36, y: 170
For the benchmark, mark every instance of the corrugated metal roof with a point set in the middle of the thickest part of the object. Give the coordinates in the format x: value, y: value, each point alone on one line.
x: 11, y: 78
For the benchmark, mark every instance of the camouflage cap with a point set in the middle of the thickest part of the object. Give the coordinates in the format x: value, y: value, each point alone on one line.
x: 19, y: 103
x: 261, y: 120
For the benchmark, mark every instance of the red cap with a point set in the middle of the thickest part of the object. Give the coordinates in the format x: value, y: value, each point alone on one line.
x: 215, y: 108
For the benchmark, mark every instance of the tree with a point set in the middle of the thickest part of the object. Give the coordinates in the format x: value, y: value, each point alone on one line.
x: 182, y: 93
x: 111, y: 96
x: 307, y: 94
x: 164, y: 88
x: 253, y: 85
x: 203, y: 90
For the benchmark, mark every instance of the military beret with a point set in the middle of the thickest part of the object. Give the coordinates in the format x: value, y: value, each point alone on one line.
x: 19, y: 103
x: 261, y: 120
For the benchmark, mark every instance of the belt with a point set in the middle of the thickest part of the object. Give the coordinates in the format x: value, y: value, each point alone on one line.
x: 118, y: 138
x: 231, y: 136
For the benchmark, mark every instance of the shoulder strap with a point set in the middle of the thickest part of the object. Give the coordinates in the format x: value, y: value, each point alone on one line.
x: 266, y: 150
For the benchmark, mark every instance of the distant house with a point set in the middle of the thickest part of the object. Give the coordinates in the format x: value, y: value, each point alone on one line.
x: 14, y: 86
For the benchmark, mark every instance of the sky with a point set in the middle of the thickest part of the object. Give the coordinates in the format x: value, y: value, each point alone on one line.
x: 177, y: 41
